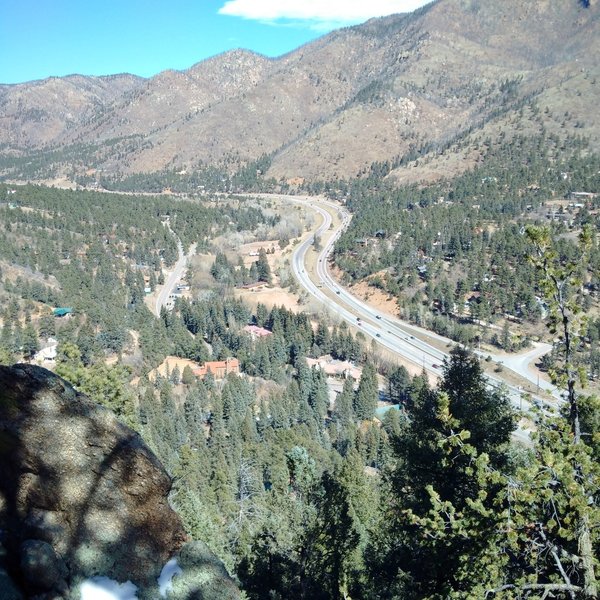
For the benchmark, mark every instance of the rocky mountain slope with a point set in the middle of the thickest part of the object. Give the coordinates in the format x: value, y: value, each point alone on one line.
x: 389, y: 90
x: 35, y: 114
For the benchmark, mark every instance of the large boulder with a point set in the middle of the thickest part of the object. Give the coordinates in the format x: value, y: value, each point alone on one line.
x: 80, y: 493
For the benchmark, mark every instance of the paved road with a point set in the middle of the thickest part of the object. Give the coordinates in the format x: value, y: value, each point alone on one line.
x: 391, y: 333
x: 174, y: 276
x: 522, y: 363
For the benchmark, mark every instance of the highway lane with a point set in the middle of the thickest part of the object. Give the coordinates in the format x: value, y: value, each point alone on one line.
x: 391, y: 333
x: 383, y: 328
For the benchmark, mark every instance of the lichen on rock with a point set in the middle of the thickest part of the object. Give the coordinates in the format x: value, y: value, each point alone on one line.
x: 77, y: 489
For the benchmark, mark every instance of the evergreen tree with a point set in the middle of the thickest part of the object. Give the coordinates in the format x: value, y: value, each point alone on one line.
x: 262, y: 314
x: 187, y: 376
x: 86, y: 342
x: 367, y: 393
x: 343, y: 425
x: 440, y: 529
x: 17, y: 338
x: 29, y: 341
x: 567, y: 519
x: 6, y: 357
x: 486, y: 414
x: 47, y: 326
x: 175, y: 376
x: 334, y: 554
x: 263, y: 270
x: 323, y: 338
x: 318, y: 397
x: 6, y: 335
x: 195, y: 415
x: 399, y: 385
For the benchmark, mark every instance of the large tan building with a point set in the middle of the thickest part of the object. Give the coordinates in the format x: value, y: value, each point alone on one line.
x: 219, y: 368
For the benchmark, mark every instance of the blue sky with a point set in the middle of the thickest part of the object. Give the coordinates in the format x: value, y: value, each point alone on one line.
x: 42, y: 38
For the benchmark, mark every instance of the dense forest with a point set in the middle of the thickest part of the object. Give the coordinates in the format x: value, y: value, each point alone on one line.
x: 390, y: 487
x: 453, y: 254
x: 307, y: 498
x: 99, y: 255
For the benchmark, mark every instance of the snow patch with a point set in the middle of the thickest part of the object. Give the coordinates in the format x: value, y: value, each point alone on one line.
x: 103, y: 588
x: 169, y: 571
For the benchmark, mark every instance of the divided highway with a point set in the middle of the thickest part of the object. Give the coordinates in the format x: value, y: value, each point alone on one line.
x: 389, y: 332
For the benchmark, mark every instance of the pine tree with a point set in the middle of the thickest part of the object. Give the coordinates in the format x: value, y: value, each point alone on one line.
x: 47, y: 327
x: 29, y: 341
x: 343, y: 426
x: 262, y: 314
x: 334, y: 555
x: 568, y: 517
x: 441, y: 528
x: 323, y: 338
x: 318, y: 397
x: 195, y: 415
x: 263, y: 270
x: 343, y: 412
x: 399, y: 385
x: 175, y: 376
x: 367, y: 393
x: 302, y: 470
x: 187, y: 376
x: 486, y: 414
x: 17, y: 338
x: 86, y: 342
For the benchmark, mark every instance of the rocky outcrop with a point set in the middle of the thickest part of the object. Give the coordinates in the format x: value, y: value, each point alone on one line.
x: 203, y: 576
x: 80, y: 493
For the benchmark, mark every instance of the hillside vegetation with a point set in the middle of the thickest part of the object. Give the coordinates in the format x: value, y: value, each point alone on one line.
x: 447, y: 76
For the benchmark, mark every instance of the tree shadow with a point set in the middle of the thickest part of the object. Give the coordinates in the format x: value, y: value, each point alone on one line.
x: 74, y: 477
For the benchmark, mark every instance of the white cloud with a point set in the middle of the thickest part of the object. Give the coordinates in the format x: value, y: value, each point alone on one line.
x: 317, y: 12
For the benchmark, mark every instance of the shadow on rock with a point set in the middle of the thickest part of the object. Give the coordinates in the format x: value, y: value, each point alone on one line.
x: 80, y: 493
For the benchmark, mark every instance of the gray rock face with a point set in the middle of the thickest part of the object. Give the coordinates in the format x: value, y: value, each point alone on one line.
x: 42, y: 568
x: 204, y: 577
x: 79, y: 492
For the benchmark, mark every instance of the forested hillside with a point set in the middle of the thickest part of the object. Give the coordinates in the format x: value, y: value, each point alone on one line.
x: 453, y: 254
x: 464, y: 141
x: 97, y: 255
x: 447, y: 76
x: 302, y: 494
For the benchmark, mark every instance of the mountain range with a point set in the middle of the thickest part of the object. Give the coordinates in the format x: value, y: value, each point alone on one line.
x: 436, y: 84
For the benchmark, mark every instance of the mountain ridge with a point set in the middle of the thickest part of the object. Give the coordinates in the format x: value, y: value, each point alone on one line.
x: 379, y: 91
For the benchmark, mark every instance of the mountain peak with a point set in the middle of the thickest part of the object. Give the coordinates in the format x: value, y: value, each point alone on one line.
x: 372, y: 93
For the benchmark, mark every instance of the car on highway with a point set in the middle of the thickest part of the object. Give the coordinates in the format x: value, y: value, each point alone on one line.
x: 435, y: 366
x: 378, y: 316
x: 377, y: 335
